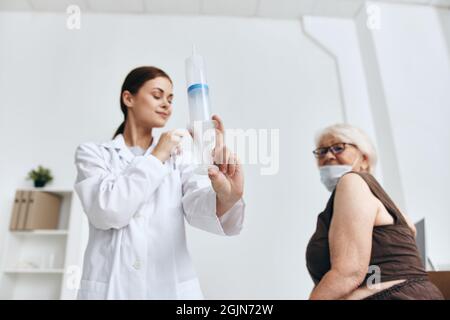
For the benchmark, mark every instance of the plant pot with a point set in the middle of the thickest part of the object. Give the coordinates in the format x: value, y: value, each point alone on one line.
x: 39, y: 183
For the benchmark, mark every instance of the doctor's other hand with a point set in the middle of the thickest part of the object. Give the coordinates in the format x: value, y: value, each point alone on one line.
x: 168, y: 142
x: 227, y: 176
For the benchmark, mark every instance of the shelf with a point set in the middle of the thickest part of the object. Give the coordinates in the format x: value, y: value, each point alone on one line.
x: 40, y: 232
x: 33, y: 263
x: 50, y: 189
x: 34, y: 271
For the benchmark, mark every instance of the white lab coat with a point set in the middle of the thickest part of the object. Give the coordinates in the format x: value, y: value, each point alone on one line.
x: 136, y: 207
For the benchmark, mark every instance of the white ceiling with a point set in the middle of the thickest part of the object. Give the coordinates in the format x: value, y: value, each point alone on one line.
x: 248, y: 8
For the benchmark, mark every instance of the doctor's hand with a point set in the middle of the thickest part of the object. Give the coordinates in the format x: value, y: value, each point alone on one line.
x: 227, y: 177
x: 168, y: 143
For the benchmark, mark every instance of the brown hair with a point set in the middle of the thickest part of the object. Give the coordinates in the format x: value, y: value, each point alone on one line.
x: 132, y: 83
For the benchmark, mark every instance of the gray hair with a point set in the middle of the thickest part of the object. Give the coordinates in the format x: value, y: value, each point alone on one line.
x: 351, y: 134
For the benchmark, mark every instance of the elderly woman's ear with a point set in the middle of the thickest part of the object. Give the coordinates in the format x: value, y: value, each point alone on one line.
x: 364, y: 163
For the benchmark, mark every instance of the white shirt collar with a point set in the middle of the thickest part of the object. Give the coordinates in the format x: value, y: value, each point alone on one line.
x: 118, y: 143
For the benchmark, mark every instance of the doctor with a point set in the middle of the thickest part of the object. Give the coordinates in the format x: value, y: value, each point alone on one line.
x: 136, y: 199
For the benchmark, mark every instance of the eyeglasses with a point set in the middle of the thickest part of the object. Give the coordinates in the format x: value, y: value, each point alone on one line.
x: 335, y: 149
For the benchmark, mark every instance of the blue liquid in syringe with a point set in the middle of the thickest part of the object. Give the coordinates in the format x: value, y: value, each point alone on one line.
x: 199, y: 106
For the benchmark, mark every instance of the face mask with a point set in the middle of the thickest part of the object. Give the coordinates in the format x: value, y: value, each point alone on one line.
x: 330, y: 175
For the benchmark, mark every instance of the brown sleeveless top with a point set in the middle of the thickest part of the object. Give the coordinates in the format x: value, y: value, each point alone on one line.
x: 394, y: 248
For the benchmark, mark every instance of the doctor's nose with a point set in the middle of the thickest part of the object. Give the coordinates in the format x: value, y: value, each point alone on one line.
x: 165, y: 105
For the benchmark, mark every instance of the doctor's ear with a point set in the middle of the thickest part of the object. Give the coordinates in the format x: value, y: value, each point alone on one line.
x: 127, y: 98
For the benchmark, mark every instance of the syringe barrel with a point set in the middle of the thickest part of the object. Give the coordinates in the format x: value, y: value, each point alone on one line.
x: 199, y: 106
x: 197, y: 89
x: 195, y: 70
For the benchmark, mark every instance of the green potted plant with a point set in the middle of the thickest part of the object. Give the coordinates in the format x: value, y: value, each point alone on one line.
x: 41, y: 176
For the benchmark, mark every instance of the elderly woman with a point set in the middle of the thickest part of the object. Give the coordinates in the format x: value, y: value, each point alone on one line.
x: 363, y: 246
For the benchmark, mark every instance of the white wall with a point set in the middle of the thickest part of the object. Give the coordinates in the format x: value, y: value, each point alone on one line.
x: 396, y: 85
x: 60, y: 88
x: 444, y: 16
x: 339, y: 38
x: 415, y: 69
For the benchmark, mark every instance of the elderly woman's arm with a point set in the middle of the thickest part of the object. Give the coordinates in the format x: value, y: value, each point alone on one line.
x: 350, y: 239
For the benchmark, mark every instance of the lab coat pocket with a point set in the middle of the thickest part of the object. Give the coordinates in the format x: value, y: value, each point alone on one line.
x: 92, y: 290
x: 189, y: 290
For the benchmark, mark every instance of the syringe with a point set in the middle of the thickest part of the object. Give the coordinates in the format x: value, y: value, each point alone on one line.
x: 200, y: 124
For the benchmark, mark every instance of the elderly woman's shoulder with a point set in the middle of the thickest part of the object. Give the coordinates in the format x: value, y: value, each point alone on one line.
x: 353, y: 180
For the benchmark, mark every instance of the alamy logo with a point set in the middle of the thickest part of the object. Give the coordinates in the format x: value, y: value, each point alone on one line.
x: 374, y: 278
x: 73, y: 21
x: 373, y: 17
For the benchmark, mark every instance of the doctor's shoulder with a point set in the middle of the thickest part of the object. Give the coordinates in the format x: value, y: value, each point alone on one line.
x: 92, y: 152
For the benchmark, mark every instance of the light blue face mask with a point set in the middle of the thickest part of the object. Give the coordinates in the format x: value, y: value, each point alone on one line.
x: 330, y: 175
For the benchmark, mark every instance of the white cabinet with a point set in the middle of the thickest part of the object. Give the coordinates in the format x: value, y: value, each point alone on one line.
x: 46, y: 264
